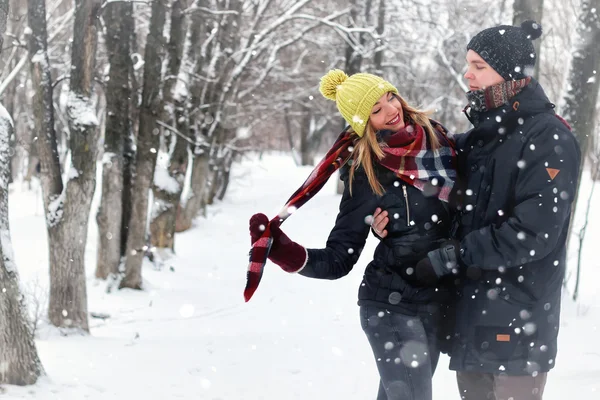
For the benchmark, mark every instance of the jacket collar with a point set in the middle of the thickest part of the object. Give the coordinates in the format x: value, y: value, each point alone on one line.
x: 530, y: 101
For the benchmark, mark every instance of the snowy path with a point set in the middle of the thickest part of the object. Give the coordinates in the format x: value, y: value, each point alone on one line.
x: 191, y: 336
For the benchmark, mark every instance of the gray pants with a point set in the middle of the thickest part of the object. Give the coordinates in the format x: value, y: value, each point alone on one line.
x: 405, y: 349
x: 485, y: 386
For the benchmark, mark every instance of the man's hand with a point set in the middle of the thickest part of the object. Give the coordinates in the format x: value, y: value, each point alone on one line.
x: 380, y: 221
x: 439, y: 262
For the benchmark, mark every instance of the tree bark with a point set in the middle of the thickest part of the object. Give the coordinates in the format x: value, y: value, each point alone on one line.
x: 18, y: 356
x: 68, y: 294
x: 169, y: 178
x: 305, y: 133
x: 118, y: 17
x: 534, y: 10
x: 353, y: 64
x: 215, y: 93
x: 19, y: 361
x: 579, y: 107
x: 194, y: 202
x: 378, y: 59
x: 147, y: 145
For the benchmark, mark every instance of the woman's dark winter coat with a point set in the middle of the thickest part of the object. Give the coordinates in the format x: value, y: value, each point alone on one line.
x: 418, y: 224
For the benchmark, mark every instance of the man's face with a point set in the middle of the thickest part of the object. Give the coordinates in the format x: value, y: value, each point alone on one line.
x: 479, y: 74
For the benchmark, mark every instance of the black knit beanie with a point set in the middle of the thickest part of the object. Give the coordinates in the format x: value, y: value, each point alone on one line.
x: 508, y: 49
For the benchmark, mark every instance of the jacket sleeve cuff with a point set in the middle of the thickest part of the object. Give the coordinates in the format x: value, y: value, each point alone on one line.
x: 444, y: 260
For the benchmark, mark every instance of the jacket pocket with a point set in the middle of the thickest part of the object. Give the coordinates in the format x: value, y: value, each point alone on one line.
x: 498, y: 343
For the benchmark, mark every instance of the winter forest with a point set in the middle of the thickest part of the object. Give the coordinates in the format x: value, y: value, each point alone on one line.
x: 137, y: 137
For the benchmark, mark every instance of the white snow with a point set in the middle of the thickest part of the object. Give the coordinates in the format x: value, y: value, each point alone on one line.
x: 162, y: 179
x: 55, y: 209
x: 190, y: 335
x: 82, y: 110
x: 73, y: 173
x: 6, y: 116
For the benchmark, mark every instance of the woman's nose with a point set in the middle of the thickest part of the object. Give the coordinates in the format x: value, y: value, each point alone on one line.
x: 468, y: 75
x: 390, y: 109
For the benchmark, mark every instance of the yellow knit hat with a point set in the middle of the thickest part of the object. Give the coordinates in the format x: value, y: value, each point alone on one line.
x: 355, y: 96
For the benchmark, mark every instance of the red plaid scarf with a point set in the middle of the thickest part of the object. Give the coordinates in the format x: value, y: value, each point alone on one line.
x: 408, y: 154
x: 495, y: 96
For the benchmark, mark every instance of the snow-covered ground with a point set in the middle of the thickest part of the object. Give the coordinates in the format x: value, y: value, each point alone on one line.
x: 190, y: 335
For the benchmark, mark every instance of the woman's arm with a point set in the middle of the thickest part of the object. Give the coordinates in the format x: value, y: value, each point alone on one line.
x: 348, y: 236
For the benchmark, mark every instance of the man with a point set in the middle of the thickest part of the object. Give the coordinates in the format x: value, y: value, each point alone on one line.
x: 518, y: 170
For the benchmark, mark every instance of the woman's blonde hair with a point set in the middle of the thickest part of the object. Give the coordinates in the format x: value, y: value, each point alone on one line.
x: 368, y: 150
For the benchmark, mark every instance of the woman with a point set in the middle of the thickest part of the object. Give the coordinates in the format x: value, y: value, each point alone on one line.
x: 395, y: 158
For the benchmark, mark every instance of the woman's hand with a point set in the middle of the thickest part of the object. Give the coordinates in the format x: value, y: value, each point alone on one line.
x: 380, y: 221
x: 289, y: 255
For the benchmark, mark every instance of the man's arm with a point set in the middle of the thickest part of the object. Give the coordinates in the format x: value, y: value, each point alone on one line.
x: 545, y: 189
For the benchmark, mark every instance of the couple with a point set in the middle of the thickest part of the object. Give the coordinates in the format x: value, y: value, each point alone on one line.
x: 472, y: 227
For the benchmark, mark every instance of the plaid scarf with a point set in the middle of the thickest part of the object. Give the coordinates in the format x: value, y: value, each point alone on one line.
x: 495, y: 96
x: 408, y: 154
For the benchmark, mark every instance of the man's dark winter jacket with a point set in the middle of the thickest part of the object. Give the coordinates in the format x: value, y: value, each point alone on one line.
x: 519, y: 167
x: 417, y: 225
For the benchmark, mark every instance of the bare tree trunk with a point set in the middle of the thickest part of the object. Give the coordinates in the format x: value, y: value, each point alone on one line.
x: 63, y: 311
x: 18, y: 356
x: 193, y: 202
x: 191, y: 206
x: 19, y: 361
x: 525, y: 10
x: 579, y: 107
x: 582, y: 231
x: 353, y: 62
x: 378, y: 59
x: 128, y: 178
x: 118, y: 17
x: 68, y: 294
x: 169, y: 178
x: 305, y: 133
x: 216, y: 92
x: 147, y: 145
x: 287, y: 121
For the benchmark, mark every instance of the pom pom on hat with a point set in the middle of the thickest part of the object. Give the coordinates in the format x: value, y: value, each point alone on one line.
x: 355, y: 95
x: 330, y: 83
x: 532, y: 29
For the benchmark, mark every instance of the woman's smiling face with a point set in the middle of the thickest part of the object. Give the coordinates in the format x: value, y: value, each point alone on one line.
x: 387, y: 114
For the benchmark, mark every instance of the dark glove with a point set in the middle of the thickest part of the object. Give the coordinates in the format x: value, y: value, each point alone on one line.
x: 289, y: 255
x: 438, y: 263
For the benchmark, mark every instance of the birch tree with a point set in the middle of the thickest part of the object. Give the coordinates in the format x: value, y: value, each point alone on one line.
x: 19, y: 361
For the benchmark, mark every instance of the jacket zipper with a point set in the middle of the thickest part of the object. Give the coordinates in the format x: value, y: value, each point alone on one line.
x: 407, y: 208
